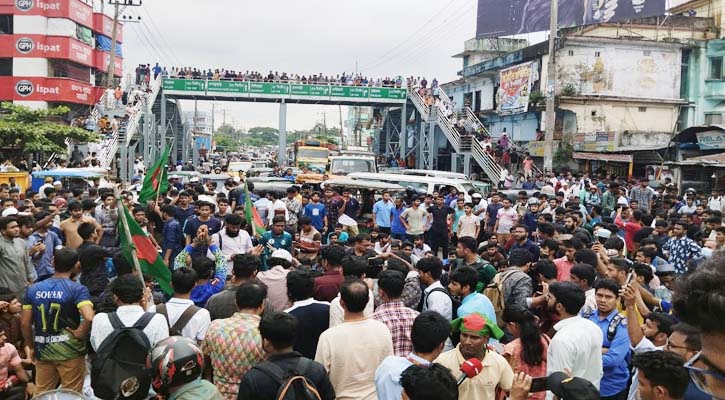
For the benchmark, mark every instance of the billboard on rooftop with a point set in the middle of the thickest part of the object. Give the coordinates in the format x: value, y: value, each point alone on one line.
x: 510, y: 17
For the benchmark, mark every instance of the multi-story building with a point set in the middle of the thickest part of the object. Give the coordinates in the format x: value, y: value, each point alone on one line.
x: 55, y: 52
x: 618, y: 91
x: 200, y: 123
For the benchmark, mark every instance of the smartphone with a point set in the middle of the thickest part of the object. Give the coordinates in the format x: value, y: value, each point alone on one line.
x: 630, y: 278
x: 539, y: 384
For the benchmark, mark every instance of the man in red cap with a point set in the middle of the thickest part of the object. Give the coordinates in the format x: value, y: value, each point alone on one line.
x: 476, y: 330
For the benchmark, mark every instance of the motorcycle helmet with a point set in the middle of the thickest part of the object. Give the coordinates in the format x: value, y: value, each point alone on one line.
x: 175, y: 361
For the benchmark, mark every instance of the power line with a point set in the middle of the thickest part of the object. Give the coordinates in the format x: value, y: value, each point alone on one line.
x: 150, y: 44
x: 441, y: 29
x: 412, y: 35
x: 163, y: 38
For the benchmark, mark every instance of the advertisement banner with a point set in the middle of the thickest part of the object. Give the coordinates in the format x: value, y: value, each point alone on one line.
x: 536, y: 149
x: 514, y: 90
x: 102, y: 59
x: 711, y: 140
x: 75, y: 10
x: 510, y: 17
x: 62, y: 90
x: 104, y: 24
x: 40, y: 46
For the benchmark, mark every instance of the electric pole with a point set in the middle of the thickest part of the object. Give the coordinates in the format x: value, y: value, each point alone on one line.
x: 114, y: 35
x: 551, y: 89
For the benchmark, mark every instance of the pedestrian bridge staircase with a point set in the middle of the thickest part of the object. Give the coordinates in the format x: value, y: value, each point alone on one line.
x: 462, y: 145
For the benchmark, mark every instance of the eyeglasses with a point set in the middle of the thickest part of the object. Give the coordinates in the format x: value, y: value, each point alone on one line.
x: 669, y: 345
x: 699, y: 376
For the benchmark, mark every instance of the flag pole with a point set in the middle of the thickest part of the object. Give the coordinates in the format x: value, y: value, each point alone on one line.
x: 127, y: 232
x: 158, y: 191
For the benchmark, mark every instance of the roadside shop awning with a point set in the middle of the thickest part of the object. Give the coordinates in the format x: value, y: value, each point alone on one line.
x: 624, y: 158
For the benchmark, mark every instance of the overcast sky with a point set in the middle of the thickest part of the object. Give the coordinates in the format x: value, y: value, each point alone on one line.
x: 384, y: 38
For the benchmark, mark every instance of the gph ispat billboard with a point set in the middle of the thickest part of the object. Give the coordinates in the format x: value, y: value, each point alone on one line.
x: 510, y: 17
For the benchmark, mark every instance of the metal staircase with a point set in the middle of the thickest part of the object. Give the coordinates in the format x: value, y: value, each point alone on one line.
x: 470, y: 143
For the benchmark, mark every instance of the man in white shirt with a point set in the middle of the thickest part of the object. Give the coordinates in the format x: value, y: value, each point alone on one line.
x: 128, y: 293
x: 337, y: 312
x: 233, y: 240
x: 435, y: 296
x: 577, y: 345
x: 348, y: 362
x: 716, y: 202
x: 184, y: 317
x: 276, y: 207
x: 583, y: 275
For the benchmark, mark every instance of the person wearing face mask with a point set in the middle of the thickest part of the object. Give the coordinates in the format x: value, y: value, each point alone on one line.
x: 233, y: 240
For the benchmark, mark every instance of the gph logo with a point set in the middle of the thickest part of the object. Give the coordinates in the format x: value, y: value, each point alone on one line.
x: 24, y: 88
x: 24, y: 45
x: 24, y: 5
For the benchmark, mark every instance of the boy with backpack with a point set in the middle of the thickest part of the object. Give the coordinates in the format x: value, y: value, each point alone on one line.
x: 285, y: 374
x: 184, y: 318
x: 122, y: 340
x: 51, y: 320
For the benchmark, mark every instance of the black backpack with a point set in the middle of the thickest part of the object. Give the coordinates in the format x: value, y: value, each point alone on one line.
x: 119, y: 370
x: 184, y: 318
x: 455, y: 301
x: 293, y: 384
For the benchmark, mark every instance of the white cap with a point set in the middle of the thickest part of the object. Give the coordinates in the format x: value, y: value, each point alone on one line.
x: 283, y: 254
x: 194, y: 179
x: 10, y: 211
x: 57, y: 183
x: 476, y: 196
x: 604, y: 233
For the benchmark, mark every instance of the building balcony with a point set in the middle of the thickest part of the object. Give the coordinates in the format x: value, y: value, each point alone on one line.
x: 715, y: 89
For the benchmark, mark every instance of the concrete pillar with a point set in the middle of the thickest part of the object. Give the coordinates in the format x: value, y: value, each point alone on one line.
x: 282, y: 150
x: 467, y: 164
x: 454, y: 162
x: 124, y: 163
x: 433, y: 153
x: 403, y: 137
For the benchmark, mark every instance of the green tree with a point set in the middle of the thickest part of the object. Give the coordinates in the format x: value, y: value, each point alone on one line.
x: 29, y: 131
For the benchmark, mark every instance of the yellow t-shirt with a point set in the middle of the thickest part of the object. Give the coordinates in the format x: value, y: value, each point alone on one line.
x: 496, y: 373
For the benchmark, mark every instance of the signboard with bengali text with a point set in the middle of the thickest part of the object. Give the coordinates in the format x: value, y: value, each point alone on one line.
x: 513, y: 94
x: 284, y: 90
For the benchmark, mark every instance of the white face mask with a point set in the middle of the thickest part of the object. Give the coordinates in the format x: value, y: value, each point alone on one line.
x: 707, y: 253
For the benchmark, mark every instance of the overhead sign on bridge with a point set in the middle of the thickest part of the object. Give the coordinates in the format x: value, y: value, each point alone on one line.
x: 291, y: 91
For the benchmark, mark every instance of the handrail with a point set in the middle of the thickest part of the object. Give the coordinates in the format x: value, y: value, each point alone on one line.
x: 489, y: 166
x: 419, y: 103
x: 294, y: 81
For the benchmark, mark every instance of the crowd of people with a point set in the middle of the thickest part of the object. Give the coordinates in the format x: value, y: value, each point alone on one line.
x: 566, y: 292
x: 145, y: 72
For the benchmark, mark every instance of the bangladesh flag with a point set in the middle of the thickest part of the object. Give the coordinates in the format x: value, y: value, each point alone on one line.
x: 252, y: 214
x: 156, y: 180
x: 135, y: 240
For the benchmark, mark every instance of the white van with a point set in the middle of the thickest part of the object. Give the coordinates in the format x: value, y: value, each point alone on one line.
x: 427, y: 184
x: 433, y: 173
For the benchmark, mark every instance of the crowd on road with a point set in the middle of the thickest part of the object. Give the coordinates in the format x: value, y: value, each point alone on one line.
x: 584, y: 289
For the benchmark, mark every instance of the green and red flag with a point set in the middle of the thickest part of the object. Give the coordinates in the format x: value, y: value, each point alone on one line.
x: 252, y: 215
x: 136, y: 243
x: 156, y: 180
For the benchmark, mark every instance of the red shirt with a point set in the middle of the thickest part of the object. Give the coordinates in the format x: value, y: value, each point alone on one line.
x: 563, y: 266
x: 328, y: 285
x: 630, y: 229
